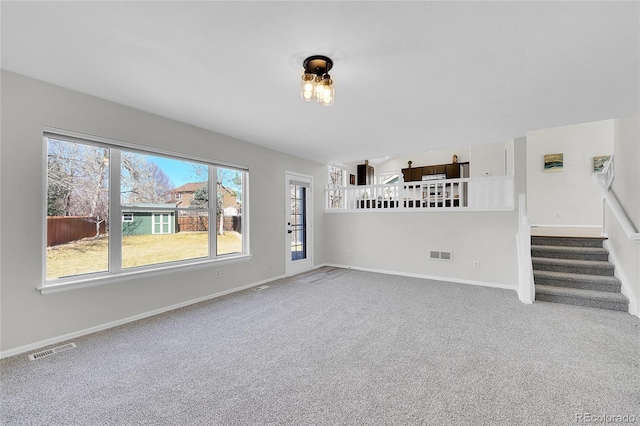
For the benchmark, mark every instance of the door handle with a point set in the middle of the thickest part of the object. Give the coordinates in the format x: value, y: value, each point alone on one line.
x: 289, y: 231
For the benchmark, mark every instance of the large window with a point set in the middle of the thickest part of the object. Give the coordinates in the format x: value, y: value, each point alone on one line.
x: 88, y: 182
x: 336, y: 179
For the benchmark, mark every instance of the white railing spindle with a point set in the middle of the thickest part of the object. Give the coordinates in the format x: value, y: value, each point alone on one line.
x: 487, y: 193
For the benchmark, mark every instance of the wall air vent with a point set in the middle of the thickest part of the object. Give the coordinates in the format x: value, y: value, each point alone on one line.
x: 441, y: 255
x: 47, y: 352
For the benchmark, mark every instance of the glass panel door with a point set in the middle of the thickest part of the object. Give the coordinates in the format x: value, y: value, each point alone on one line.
x: 299, y: 220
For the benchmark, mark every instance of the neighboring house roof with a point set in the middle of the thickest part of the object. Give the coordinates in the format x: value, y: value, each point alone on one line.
x: 183, y: 195
x: 189, y: 187
x: 229, y: 190
x: 194, y: 186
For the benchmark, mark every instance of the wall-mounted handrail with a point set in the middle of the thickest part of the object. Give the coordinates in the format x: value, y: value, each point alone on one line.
x: 604, y: 179
x: 526, y: 287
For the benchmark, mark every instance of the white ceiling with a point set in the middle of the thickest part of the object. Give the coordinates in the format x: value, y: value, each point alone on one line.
x: 410, y: 76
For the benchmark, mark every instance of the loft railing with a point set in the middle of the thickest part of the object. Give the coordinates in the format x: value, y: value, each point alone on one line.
x: 526, y: 287
x: 486, y: 193
x: 604, y: 179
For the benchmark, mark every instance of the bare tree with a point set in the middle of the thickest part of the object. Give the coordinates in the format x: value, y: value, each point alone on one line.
x: 336, y: 180
x: 78, y: 174
x: 142, y: 181
x: 227, y: 179
x: 78, y: 180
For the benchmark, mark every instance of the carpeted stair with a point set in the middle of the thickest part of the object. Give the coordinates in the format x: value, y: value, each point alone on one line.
x: 575, y: 271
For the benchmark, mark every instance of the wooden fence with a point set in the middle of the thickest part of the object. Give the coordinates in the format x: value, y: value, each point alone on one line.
x: 201, y: 223
x: 62, y: 229
x: 193, y: 223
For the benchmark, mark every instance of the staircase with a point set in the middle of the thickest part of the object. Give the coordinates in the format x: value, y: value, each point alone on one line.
x: 575, y: 271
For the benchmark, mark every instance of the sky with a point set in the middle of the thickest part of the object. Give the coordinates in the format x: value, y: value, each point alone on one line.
x: 180, y: 172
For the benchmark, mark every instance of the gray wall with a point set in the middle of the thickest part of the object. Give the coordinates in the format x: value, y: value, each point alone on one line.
x: 27, y: 317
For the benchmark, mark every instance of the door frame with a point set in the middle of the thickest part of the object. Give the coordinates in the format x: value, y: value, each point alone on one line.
x: 161, y: 223
x: 295, y: 267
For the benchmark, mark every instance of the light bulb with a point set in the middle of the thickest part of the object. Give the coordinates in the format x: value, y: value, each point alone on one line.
x: 325, y: 91
x: 307, y: 87
x: 319, y: 84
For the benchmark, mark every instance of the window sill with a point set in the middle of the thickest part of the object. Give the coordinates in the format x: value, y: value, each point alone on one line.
x: 95, y: 280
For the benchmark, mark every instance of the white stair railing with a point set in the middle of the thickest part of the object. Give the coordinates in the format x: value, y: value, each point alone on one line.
x: 526, y: 287
x: 488, y: 194
x: 604, y: 179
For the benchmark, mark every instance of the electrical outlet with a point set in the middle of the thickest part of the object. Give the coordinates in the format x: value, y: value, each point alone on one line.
x: 349, y: 253
x: 476, y: 264
x: 218, y: 272
x: 559, y: 215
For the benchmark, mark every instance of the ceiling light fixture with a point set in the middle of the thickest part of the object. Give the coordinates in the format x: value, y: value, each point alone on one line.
x: 316, y: 81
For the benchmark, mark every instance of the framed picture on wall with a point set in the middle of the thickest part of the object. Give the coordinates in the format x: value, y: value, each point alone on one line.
x: 352, y: 179
x: 553, y: 163
x: 598, y: 162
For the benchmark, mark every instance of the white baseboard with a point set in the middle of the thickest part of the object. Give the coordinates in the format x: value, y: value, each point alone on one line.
x: 54, y: 340
x: 576, y: 231
x: 564, y: 226
x: 428, y: 277
x: 619, y: 273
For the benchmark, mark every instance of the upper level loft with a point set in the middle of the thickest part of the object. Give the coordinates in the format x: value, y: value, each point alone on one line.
x: 476, y: 178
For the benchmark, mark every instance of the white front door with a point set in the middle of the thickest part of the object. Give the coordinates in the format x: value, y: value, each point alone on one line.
x: 298, y: 223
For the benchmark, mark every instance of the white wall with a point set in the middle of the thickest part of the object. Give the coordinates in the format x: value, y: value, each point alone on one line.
x: 426, y: 158
x: 572, y: 192
x: 493, y: 159
x: 400, y: 242
x: 489, y: 159
x: 27, y: 317
x: 626, y: 187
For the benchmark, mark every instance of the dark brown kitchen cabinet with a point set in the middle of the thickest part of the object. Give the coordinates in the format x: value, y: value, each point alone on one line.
x: 365, y: 174
x: 452, y: 171
x: 439, y: 169
x: 416, y: 173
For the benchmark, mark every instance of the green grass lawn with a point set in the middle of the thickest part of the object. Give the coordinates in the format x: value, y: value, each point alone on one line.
x: 91, y: 255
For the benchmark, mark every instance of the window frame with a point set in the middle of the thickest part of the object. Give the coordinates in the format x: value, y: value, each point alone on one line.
x: 127, y: 217
x: 344, y: 175
x: 115, y: 272
x: 332, y: 189
x: 381, y: 177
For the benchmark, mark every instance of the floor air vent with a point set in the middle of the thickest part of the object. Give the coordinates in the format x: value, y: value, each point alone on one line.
x: 262, y: 287
x: 52, y: 351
